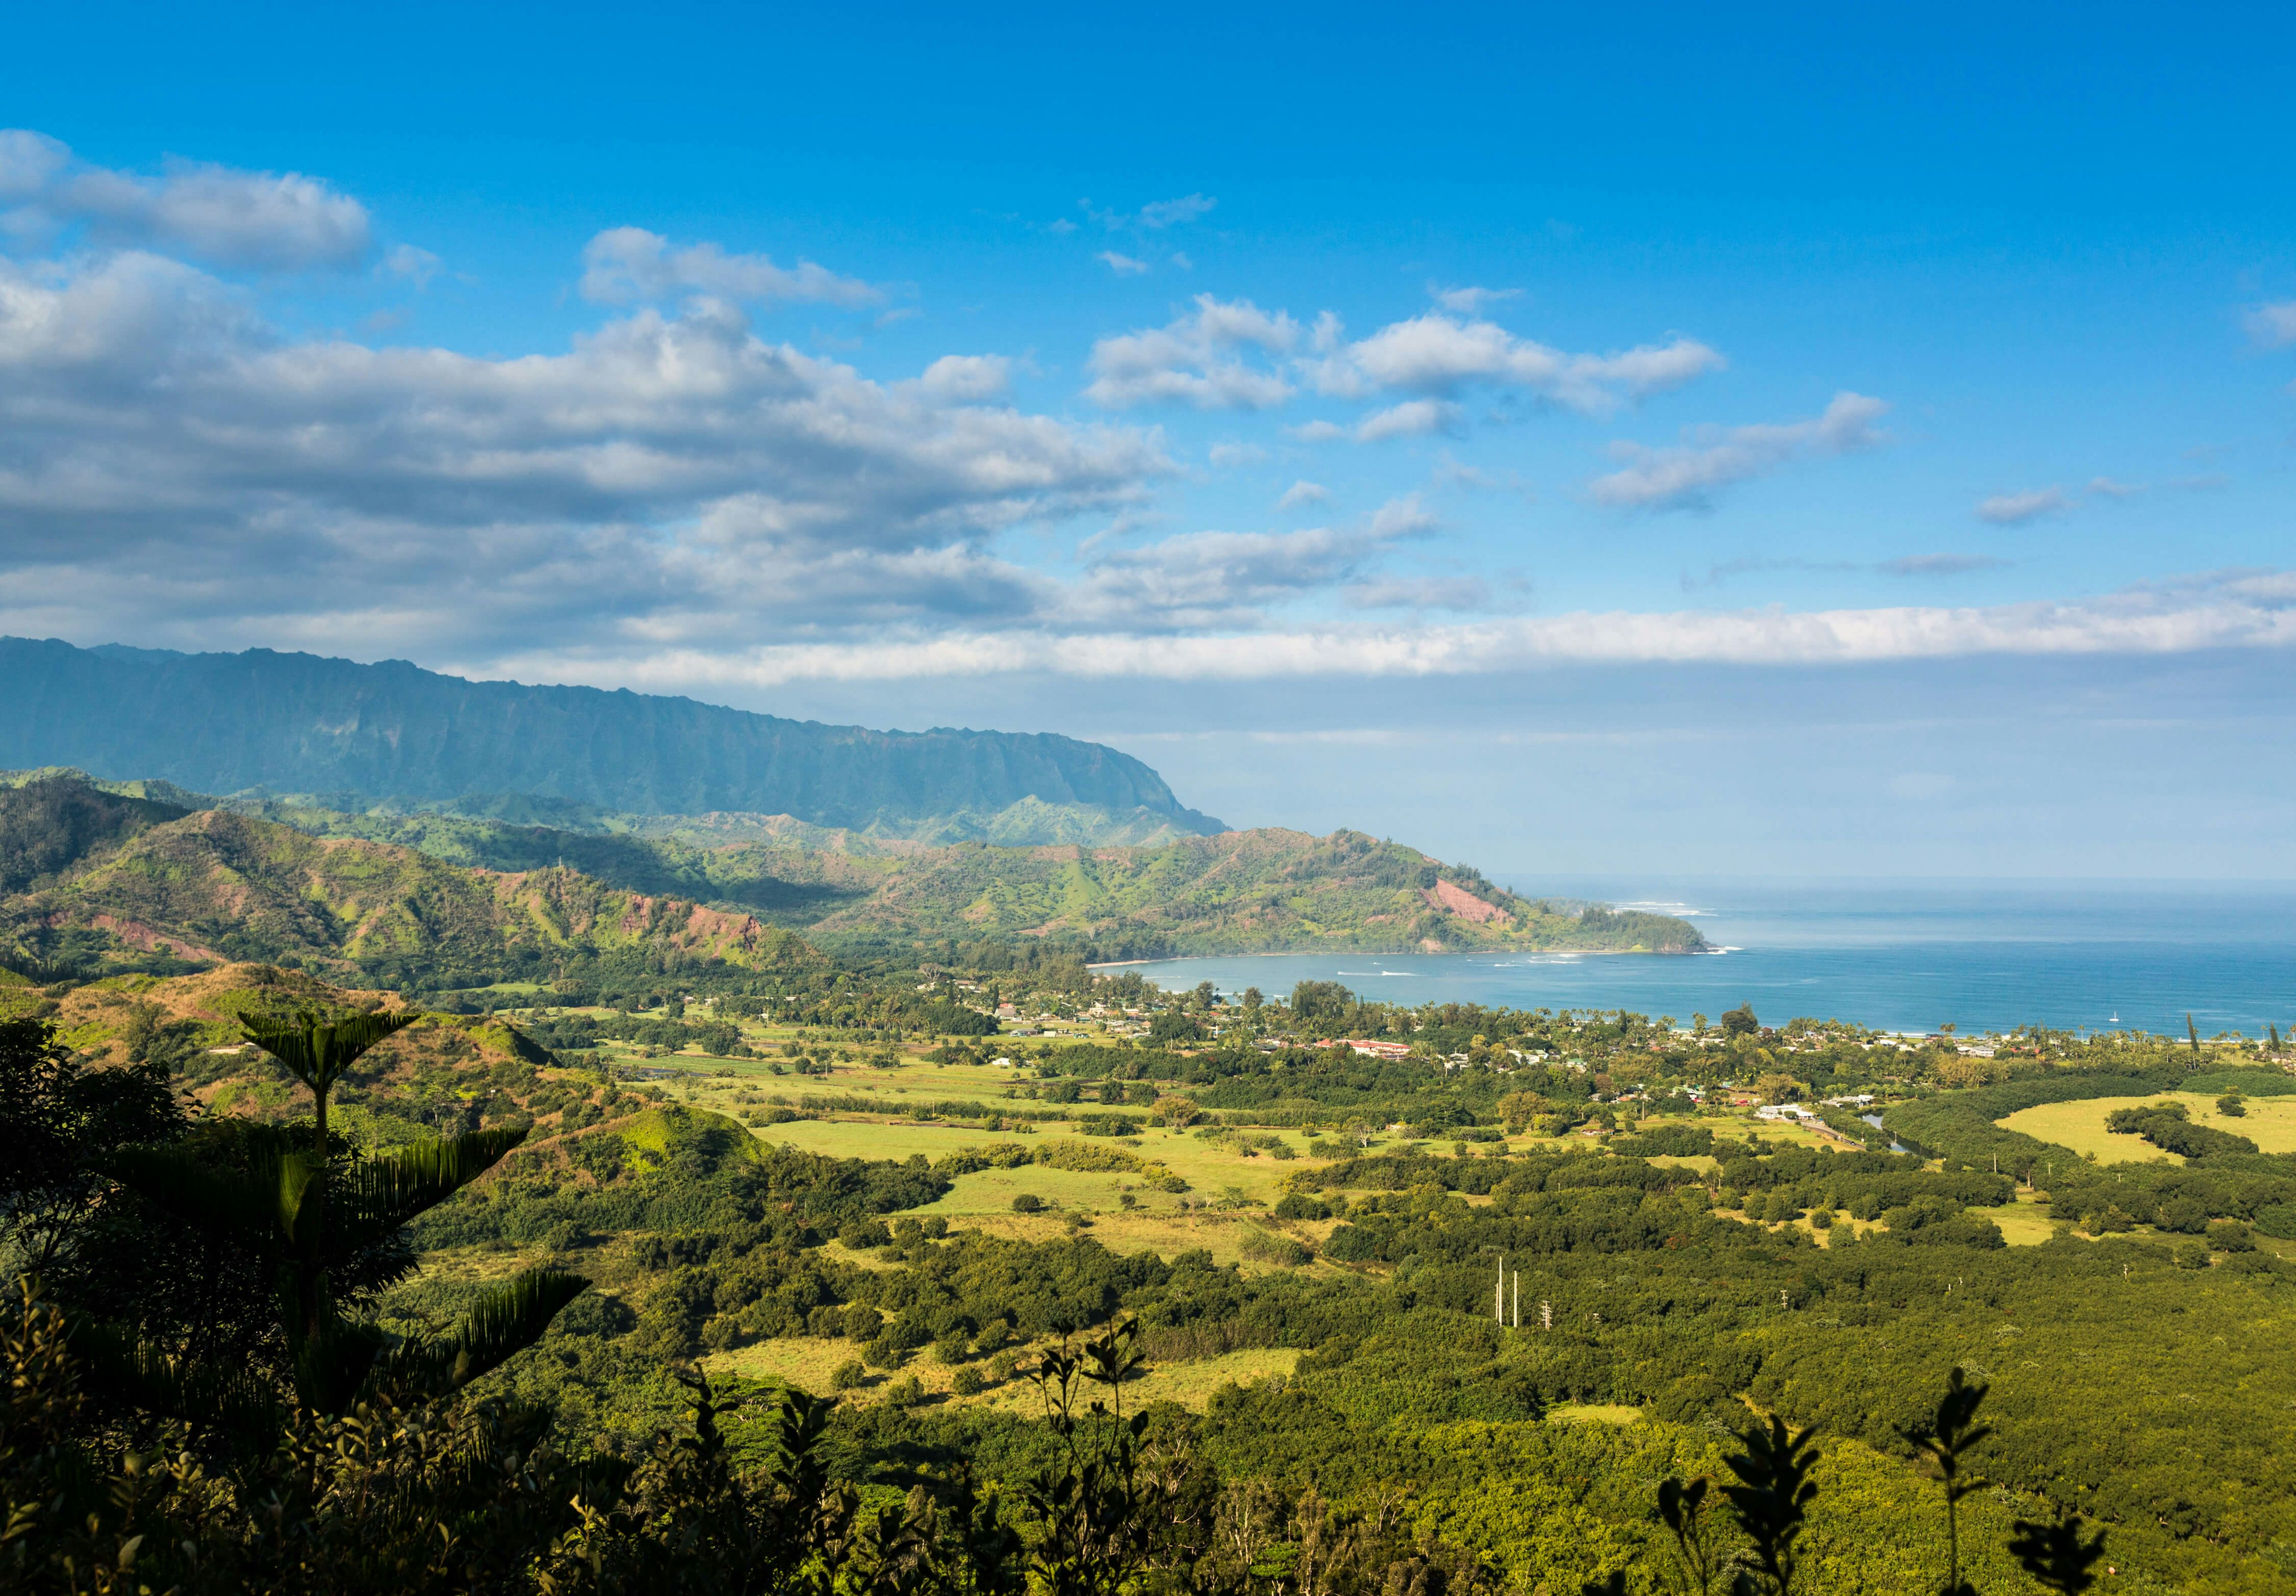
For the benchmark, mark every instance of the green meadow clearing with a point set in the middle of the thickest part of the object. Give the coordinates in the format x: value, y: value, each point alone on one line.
x: 2270, y: 1122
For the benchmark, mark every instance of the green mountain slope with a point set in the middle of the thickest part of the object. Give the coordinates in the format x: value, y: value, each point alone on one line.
x: 296, y: 722
x: 1259, y: 891
x: 447, y: 900
x: 214, y: 886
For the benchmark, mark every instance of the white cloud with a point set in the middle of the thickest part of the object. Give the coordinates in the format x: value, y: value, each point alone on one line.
x: 967, y: 379
x: 625, y: 265
x: 1412, y: 418
x: 1181, y: 261
x: 1685, y: 475
x: 1123, y: 265
x: 1316, y: 431
x: 1200, y: 579
x: 266, y: 221
x: 2015, y: 508
x: 28, y: 162
x: 2273, y: 326
x: 1227, y: 455
x: 1471, y: 301
x: 2105, y: 487
x: 418, y: 266
x: 1169, y: 213
x: 1213, y: 578
x: 1403, y: 517
x: 1154, y: 216
x: 1438, y: 355
x: 2250, y: 611
x: 1304, y: 492
x: 1196, y: 360
x: 170, y: 466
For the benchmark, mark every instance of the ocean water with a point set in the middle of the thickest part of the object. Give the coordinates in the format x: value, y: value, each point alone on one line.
x: 1902, y: 956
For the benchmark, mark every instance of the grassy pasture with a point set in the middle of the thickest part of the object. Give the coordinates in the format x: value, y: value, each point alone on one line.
x: 810, y: 1363
x: 2270, y: 1122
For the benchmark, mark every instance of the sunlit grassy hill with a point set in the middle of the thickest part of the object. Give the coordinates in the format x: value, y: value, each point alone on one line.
x: 212, y: 886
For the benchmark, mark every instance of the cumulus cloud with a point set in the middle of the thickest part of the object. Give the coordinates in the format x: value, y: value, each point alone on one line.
x: 967, y: 379
x: 1123, y: 265
x: 1200, y: 579
x: 2015, y: 508
x: 1403, y: 517
x: 1686, y: 475
x: 263, y: 221
x: 625, y: 265
x: 1229, y: 454
x: 1197, y: 359
x: 2273, y: 326
x: 1212, y: 578
x: 168, y: 458
x: 1316, y: 431
x: 1439, y: 355
x: 1412, y: 418
x: 1304, y: 492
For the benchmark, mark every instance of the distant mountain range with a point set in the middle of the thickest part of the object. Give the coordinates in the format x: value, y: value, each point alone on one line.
x: 396, y: 737
x: 90, y: 876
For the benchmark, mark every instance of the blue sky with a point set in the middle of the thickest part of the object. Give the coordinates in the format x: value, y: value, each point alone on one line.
x: 1665, y: 441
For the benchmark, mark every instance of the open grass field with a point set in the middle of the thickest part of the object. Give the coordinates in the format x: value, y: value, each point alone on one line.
x: 2024, y: 1222
x: 1164, y: 1232
x: 810, y: 1363
x: 2270, y: 1122
x: 1594, y: 1412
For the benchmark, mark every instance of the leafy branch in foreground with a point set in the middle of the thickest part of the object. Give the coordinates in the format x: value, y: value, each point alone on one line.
x: 2057, y: 1555
x: 1947, y: 1442
x: 1769, y: 1502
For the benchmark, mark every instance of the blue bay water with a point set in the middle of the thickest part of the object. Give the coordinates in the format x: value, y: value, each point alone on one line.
x: 1901, y: 956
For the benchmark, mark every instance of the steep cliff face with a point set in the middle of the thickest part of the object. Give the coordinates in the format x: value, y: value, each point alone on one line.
x: 296, y: 722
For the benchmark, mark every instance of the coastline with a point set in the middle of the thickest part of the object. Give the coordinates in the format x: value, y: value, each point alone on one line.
x: 1462, y: 952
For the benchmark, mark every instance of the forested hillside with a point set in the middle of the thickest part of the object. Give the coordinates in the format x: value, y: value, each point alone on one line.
x: 392, y: 893
x: 297, y: 723
x: 211, y: 886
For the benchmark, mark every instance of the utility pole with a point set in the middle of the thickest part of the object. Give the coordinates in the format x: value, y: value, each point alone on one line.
x: 1545, y: 1314
x: 1498, y: 1296
x: 1518, y: 1299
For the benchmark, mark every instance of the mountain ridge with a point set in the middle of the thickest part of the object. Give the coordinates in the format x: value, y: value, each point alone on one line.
x: 307, y: 723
